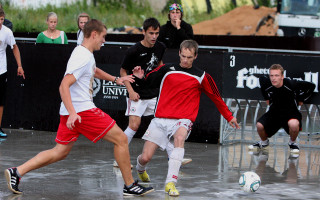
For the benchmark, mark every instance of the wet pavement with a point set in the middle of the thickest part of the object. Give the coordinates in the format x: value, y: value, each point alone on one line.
x: 87, y: 173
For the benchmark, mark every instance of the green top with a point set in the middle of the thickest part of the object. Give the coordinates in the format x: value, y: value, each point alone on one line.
x: 44, y: 39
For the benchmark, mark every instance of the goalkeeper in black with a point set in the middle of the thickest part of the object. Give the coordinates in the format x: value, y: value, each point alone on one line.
x: 284, y: 96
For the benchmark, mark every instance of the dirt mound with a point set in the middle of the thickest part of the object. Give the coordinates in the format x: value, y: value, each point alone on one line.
x: 243, y: 20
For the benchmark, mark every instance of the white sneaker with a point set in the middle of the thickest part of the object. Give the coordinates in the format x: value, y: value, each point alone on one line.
x: 294, y: 148
x: 115, y: 164
x: 186, y: 161
x: 259, y: 146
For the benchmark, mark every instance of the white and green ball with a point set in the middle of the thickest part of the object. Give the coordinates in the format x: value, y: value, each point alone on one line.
x: 249, y: 182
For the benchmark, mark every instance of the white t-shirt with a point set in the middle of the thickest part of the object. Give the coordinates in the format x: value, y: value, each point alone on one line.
x: 80, y: 37
x: 6, y: 38
x: 82, y: 65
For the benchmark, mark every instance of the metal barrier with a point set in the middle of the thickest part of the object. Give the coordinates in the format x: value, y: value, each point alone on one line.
x: 248, y: 111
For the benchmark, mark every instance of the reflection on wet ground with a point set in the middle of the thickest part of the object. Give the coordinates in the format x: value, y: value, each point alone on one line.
x: 87, y: 173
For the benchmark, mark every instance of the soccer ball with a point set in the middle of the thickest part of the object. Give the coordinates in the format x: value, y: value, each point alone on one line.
x: 249, y: 182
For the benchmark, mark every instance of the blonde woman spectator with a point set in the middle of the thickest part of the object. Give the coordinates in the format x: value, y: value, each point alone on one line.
x: 82, y: 19
x: 52, y: 35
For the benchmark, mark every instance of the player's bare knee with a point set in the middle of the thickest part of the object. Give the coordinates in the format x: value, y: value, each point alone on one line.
x: 121, y: 139
x: 259, y: 126
x: 145, y: 158
x: 134, y: 122
x: 134, y: 126
x: 293, y: 124
x: 179, y: 140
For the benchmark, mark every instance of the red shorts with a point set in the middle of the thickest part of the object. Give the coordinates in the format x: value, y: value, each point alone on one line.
x: 94, y: 125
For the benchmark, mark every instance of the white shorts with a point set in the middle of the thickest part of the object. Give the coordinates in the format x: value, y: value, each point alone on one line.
x: 161, y: 130
x: 142, y: 107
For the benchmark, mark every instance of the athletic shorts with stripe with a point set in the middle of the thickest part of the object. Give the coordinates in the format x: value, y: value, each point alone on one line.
x: 161, y: 130
x: 94, y: 125
x: 273, y: 121
x: 142, y: 107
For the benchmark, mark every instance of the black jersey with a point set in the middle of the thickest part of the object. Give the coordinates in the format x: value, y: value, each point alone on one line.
x: 285, y: 98
x: 148, y: 59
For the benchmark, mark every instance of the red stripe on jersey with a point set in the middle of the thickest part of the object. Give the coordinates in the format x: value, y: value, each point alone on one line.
x: 211, y: 90
x: 213, y: 85
x: 154, y: 70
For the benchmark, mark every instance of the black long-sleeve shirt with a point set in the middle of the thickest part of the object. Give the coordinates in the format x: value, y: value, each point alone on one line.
x: 172, y: 37
x: 286, y: 97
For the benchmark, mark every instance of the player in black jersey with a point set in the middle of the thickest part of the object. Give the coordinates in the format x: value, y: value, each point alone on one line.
x: 148, y: 55
x: 284, y: 96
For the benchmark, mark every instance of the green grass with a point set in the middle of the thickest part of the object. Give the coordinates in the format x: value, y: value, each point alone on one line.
x: 114, y: 13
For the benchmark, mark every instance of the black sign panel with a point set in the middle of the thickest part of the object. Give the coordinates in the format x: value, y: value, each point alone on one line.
x: 242, y: 70
x: 34, y: 103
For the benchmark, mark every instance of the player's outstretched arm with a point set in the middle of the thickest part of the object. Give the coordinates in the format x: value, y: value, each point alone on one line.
x: 100, y: 74
x: 233, y: 122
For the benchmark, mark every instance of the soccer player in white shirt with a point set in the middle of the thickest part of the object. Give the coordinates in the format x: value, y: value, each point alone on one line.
x: 6, y: 38
x: 79, y: 115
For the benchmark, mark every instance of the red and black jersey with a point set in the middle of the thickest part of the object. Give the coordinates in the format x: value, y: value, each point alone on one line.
x: 180, y: 91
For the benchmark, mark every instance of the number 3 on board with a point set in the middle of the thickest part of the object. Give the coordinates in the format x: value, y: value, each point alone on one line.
x: 232, y: 60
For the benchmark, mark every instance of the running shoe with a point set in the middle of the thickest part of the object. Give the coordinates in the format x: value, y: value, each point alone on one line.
x: 258, y: 146
x: 186, y: 161
x: 12, y: 180
x: 171, y: 189
x: 136, y: 189
x: 2, y: 134
x: 294, y: 148
x: 144, y: 177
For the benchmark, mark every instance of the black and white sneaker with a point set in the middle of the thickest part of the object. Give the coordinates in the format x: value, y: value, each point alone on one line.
x: 136, y: 189
x: 12, y: 180
x: 258, y: 146
x: 294, y: 148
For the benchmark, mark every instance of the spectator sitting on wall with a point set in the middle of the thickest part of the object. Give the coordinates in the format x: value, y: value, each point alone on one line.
x: 7, y: 22
x: 175, y: 30
x: 82, y: 19
x: 52, y: 35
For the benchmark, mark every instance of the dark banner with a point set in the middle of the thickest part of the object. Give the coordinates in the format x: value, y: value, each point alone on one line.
x: 242, y: 70
x: 34, y: 103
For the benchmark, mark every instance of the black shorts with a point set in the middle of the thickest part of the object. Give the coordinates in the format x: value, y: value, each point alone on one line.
x: 3, y: 88
x: 273, y: 121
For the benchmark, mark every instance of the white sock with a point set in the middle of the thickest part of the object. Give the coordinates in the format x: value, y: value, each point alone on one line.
x: 265, y: 142
x: 139, y: 167
x: 174, y: 164
x: 291, y: 142
x: 130, y: 133
x: 169, y: 149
